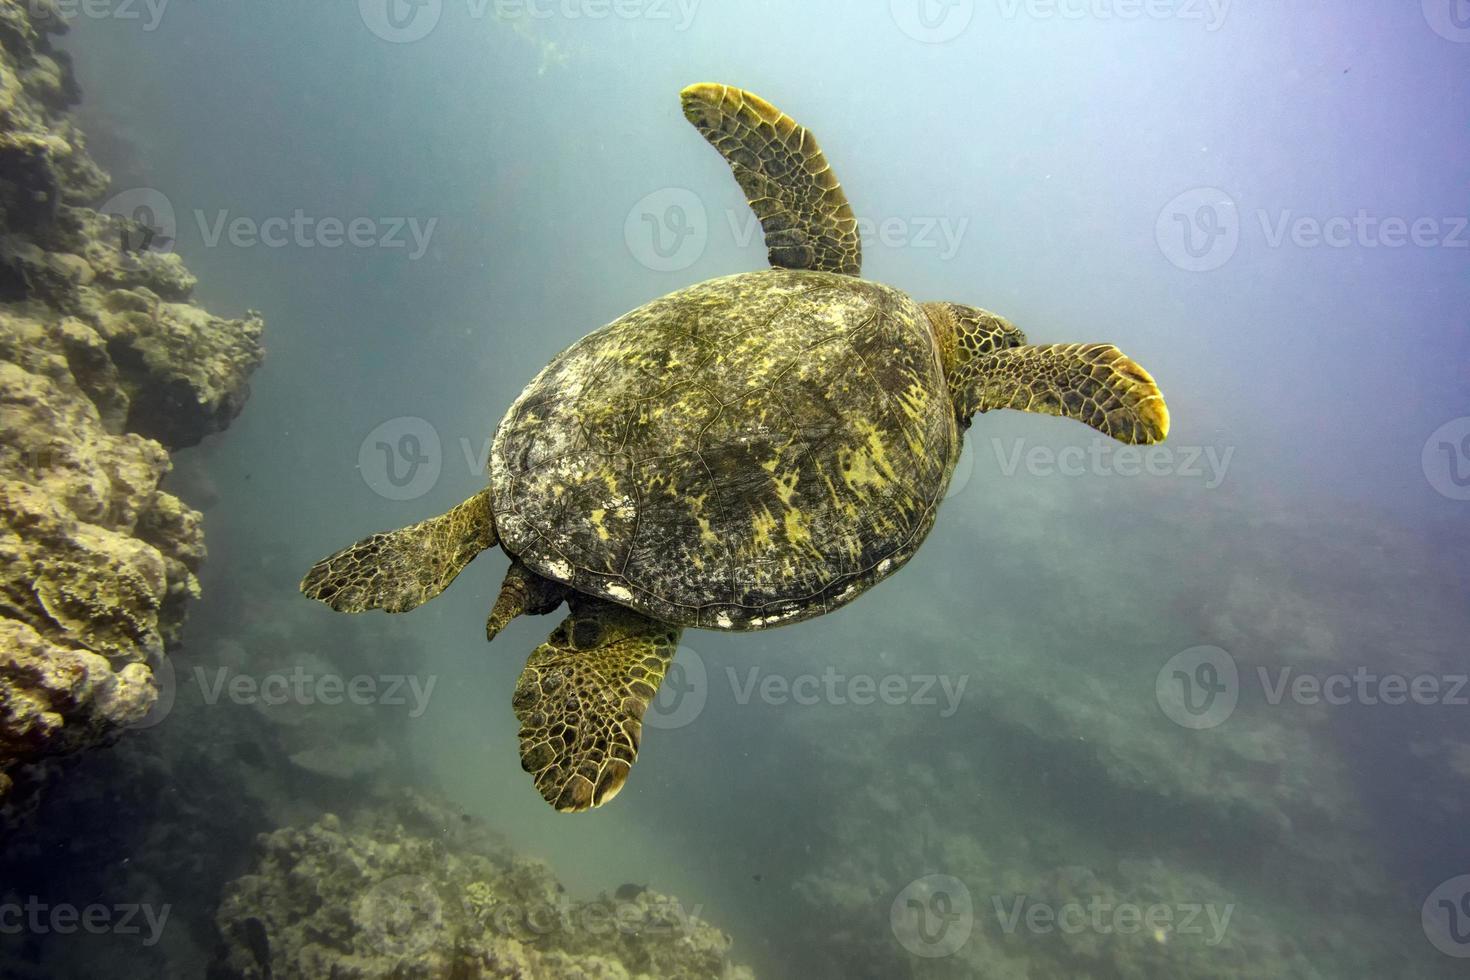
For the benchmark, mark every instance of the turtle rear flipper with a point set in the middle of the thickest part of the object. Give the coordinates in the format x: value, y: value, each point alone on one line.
x: 581, y: 700
x: 1092, y: 383
x: 790, y: 187
x: 400, y: 570
x: 523, y: 593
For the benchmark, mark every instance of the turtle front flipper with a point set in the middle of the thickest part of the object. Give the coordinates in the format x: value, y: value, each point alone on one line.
x: 400, y: 570
x: 581, y: 700
x: 1092, y: 383
x: 790, y: 187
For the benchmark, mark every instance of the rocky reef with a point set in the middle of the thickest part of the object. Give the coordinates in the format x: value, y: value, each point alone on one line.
x: 419, y: 891
x: 105, y: 367
x: 1064, y: 805
x: 185, y: 818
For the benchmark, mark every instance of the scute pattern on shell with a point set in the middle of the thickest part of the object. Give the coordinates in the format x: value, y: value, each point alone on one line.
x: 744, y: 453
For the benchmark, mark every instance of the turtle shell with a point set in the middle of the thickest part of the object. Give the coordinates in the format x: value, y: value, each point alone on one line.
x: 747, y: 452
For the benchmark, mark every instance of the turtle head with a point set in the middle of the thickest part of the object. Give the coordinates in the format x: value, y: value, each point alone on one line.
x: 988, y: 365
x: 964, y: 334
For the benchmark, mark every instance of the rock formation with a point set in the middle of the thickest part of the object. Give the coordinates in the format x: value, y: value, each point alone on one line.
x: 105, y: 367
x: 417, y: 891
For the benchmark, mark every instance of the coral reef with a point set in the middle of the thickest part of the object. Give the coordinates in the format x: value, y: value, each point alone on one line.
x: 105, y: 366
x: 420, y: 892
x: 171, y: 813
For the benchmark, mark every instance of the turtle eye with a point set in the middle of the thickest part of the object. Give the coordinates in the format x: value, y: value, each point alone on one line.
x: 584, y: 634
x: 983, y: 331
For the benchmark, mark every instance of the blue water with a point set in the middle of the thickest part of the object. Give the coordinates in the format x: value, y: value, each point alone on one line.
x: 1115, y: 683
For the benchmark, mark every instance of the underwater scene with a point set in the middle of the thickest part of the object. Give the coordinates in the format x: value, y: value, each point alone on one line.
x: 951, y: 488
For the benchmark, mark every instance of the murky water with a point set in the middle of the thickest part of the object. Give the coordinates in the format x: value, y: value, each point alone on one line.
x: 1194, y: 711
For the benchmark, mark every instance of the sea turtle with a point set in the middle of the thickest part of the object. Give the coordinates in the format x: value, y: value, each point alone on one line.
x: 741, y: 454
